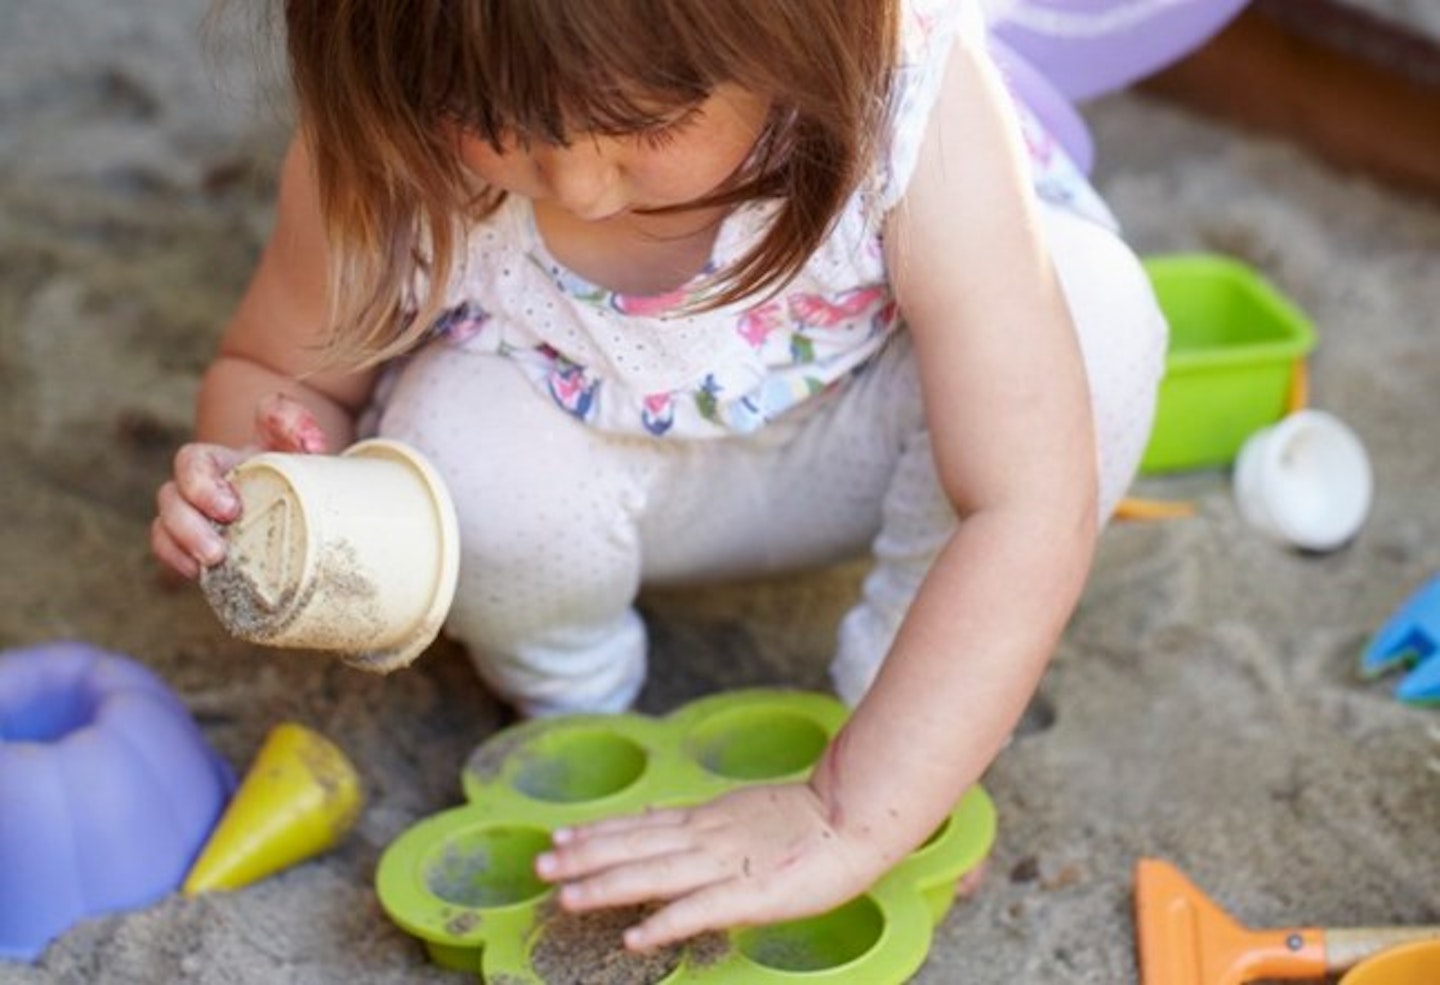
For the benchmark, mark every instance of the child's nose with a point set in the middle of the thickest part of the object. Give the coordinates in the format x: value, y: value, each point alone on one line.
x: 583, y: 180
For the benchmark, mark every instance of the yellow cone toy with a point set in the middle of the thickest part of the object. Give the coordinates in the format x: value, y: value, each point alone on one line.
x: 300, y: 798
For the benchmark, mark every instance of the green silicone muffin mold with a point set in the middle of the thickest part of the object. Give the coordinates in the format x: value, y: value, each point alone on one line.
x: 463, y: 880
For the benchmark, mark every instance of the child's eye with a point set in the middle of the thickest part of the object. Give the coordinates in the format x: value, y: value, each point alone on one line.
x: 665, y: 134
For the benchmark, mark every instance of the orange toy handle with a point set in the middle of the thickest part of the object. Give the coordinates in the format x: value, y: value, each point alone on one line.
x: 1237, y: 954
x: 1299, y: 396
x: 1135, y: 508
x: 1296, y: 952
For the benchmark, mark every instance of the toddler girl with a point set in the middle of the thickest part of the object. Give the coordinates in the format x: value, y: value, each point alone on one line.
x: 685, y: 289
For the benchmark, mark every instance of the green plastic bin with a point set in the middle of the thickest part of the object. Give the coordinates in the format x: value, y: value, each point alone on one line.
x: 1235, y: 343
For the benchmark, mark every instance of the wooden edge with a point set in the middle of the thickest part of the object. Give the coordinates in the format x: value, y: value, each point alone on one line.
x: 1361, y: 93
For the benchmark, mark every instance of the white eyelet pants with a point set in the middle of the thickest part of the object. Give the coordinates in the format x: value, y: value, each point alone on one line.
x: 561, y: 524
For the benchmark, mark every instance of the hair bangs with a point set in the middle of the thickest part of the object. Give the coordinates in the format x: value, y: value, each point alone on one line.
x: 549, y: 71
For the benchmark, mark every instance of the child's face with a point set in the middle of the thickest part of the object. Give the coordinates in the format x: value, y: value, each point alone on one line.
x: 603, y: 177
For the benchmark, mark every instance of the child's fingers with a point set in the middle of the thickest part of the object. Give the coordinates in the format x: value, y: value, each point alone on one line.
x: 181, y: 529
x: 650, y: 818
x: 170, y: 553
x: 596, y: 852
x: 200, y: 480
x: 284, y: 424
x: 660, y: 877
x: 715, y: 907
x: 188, y: 507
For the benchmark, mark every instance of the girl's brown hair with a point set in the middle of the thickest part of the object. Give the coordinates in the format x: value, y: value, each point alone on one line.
x: 385, y: 85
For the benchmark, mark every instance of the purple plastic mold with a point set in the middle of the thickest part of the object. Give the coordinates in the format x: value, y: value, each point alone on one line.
x: 108, y: 790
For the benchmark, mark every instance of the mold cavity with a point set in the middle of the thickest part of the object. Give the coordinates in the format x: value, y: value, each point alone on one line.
x: 816, y: 943
x: 48, y: 715
x: 587, y: 949
x: 487, y: 866
x: 756, y: 743
x: 573, y: 765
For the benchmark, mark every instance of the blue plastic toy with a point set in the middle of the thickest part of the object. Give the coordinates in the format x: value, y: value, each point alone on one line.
x: 107, y: 790
x: 1410, y: 638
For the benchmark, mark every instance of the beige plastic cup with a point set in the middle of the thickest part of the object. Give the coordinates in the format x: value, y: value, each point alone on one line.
x: 354, y: 554
x: 1305, y: 481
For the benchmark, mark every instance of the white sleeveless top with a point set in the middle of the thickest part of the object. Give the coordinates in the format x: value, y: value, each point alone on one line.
x: 642, y: 365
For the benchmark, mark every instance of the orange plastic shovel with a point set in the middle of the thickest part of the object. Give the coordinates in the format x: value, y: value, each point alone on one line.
x: 1184, y: 938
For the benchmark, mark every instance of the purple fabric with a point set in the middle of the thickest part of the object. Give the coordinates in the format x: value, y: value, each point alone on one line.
x: 1058, y: 115
x: 1056, y: 53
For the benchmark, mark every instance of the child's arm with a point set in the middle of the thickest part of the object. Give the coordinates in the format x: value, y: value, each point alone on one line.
x: 256, y: 393
x: 1007, y: 403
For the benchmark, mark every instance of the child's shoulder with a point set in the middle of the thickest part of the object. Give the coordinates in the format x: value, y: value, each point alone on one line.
x: 928, y: 26
x: 929, y: 29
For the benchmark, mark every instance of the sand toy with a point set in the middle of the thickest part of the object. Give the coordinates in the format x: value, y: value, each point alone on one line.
x: 107, y: 790
x: 463, y: 880
x: 1410, y: 638
x: 1235, y: 360
x: 298, y: 799
x: 354, y: 554
x: 1184, y: 938
x: 1305, y: 482
x: 1417, y: 963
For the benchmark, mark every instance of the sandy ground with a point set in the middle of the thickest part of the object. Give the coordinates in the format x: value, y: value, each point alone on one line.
x: 1204, y: 706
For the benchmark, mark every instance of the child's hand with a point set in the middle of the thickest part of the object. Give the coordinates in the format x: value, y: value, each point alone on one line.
x: 198, y: 498
x: 755, y: 855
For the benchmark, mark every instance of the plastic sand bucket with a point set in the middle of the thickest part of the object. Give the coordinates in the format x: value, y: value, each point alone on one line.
x: 1235, y: 342
x: 355, y: 554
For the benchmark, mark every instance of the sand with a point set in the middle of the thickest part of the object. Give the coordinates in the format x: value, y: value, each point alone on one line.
x: 1204, y: 706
